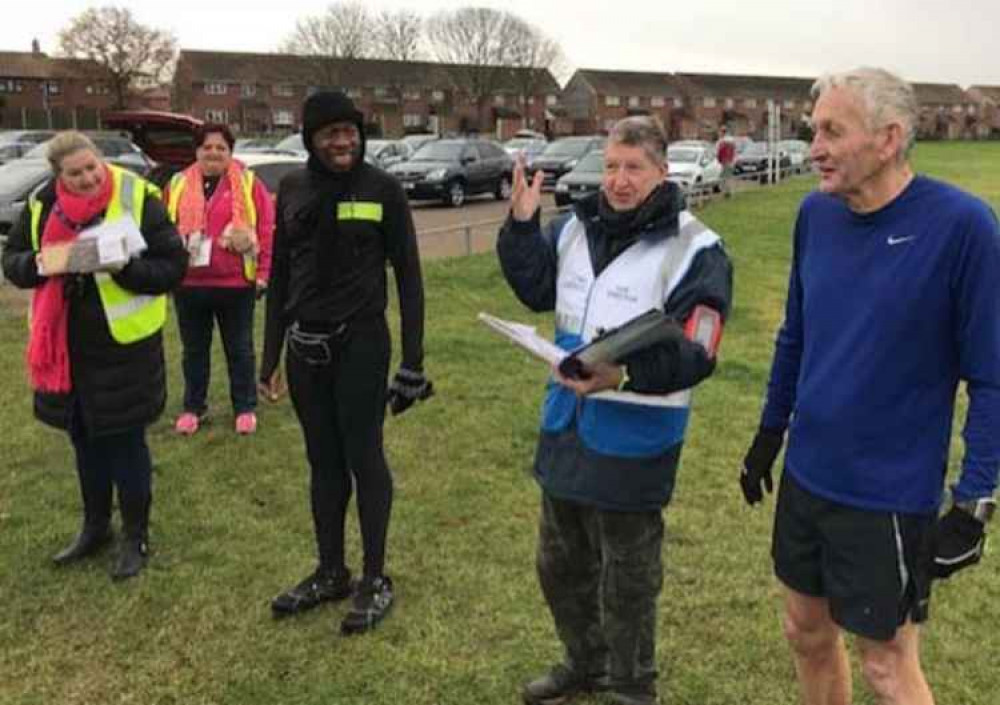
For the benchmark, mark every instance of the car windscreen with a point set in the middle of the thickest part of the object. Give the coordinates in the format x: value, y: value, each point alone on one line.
x: 16, y: 178
x: 757, y: 149
x: 567, y: 148
x: 683, y: 156
x: 593, y: 163
x: 292, y: 143
x: 438, y: 152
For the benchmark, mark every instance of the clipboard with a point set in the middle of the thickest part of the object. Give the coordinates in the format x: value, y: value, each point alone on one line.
x: 649, y: 328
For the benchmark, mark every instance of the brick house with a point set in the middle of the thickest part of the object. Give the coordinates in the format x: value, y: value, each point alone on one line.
x: 987, y: 99
x: 741, y: 103
x: 42, y: 92
x: 261, y: 93
x: 594, y: 99
x: 948, y: 112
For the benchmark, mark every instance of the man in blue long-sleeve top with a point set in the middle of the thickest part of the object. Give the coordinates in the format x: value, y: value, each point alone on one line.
x: 606, y: 467
x: 891, y: 302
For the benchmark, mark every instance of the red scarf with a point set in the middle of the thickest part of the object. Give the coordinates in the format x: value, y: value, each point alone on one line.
x: 48, y: 346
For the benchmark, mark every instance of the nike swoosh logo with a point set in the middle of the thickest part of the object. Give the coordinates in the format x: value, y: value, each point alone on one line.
x: 896, y: 240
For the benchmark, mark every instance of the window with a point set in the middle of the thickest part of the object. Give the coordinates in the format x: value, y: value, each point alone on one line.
x: 353, y: 93
x: 215, y: 88
x: 956, y: 108
x: 729, y: 103
x: 971, y: 110
x: 551, y: 100
x: 531, y: 100
x: 51, y: 87
x: 612, y: 101
x: 413, y: 120
x: 9, y: 85
x: 657, y: 101
x: 283, y: 90
x: 499, y: 99
x: 248, y: 90
x: 99, y: 89
x: 678, y: 102
x: 283, y: 118
x: 633, y: 101
x: 382, y: 92
x: 708, y: 101
x: 788, y: 104
x: 437, y: 96
x: 311, y: 89
x: 750, y: 103
x: 217, y: 115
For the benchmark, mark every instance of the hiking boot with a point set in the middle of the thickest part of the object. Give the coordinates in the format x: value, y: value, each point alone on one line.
x: 246, y: 423
x: 560, y: 685
x: 372, y: 602
x: 321, y: 586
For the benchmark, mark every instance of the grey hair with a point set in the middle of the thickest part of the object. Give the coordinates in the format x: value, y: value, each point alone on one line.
x: 885, y: 98
x: 642, y: 131
x: 65, y: 144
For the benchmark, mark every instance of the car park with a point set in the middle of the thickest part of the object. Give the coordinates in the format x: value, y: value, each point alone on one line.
x: 452, y: 169
x: 694, y: 167
x: 584, y: 180
x: 562, y: 155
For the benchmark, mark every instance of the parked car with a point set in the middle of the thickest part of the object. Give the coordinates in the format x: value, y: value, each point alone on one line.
x: 694, y: 167
x: 253, y: 144
x: 531, y: 134
x: 29, y: 136
x: 293, y: 145
x: 116, y: 149
x: 17, y: 180
x: 14, y: 150
x: 701, y: 144
x: 385, y: 153
x: 418, y: 140
x: 562, y: 155
x: 585, y: 179
x: 798, y: 154
x: 452, y: 169
x: 271, y: 168
x: 754, y: 160
x: 167, y: 138
x: 530, y: 147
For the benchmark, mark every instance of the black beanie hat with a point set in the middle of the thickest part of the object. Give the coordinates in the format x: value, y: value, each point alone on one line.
x: 325, y: 107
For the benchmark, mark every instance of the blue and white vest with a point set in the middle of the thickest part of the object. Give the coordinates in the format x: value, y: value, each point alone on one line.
x: 640, y: 278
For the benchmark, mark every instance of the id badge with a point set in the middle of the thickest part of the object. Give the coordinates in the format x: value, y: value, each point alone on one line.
x: 200, y: 248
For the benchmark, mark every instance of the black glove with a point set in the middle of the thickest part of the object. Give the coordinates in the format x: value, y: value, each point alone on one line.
x: 757, y: 465
x: 407, y: 387
x: 956, y: 541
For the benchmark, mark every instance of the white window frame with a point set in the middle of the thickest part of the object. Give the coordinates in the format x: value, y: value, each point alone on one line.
x: 657, y: 101
x: 708, y: 101
x: 437, y: 96
x: 749, y: 102
x: 551, y: 99
x: 283, y: 90
x: 729, y: 103
x: 283, y: 117
x: 413, y: 120
x: 634, y: 101
x: 216, y: 88
x: 788, y: 104
x: 499, y: 99
x: 248, y: 90
x: 612, y: 101
x: 219, y: 115
x: 412, y: 95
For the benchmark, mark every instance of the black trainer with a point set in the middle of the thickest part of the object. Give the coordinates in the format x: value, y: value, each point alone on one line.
x: 372, y: 602
x: 560, y: 685
x: 321, y: 586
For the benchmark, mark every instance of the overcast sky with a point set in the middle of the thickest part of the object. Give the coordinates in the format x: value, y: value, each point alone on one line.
x: 945, y: 41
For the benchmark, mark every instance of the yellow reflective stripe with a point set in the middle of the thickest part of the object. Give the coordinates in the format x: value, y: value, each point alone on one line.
x: 177, y: 183
x: 359, y: 210
x: 36, y: 220
x: 247, y: 183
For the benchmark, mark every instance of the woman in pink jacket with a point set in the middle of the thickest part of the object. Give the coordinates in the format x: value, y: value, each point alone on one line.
x: 226, y: 217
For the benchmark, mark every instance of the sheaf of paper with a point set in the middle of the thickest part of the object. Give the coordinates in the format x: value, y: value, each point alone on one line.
x: 123, y: 229
x: 527, y: 337
x: 111, y: 250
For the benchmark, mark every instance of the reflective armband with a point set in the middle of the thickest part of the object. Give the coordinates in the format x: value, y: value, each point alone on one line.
x: 704, y: 326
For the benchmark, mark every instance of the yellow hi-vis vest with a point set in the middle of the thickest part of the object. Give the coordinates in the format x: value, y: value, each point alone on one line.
x: 177, y: 184
x: 131, y: 317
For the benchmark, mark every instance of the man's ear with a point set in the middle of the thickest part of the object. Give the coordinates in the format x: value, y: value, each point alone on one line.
x: 892, y: 142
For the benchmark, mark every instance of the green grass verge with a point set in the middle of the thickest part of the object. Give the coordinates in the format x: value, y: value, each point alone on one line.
x: 231, y: 528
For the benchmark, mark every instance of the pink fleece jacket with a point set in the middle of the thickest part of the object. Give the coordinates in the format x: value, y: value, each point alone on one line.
x: 225, y: 269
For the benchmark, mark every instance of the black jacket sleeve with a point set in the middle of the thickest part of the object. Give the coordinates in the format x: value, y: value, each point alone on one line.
x: 528, y: 260
x: 673, y: 366
x: 404, y: 255
x: 19, y: 257
x: 162, y: 266
x: 277, y: 293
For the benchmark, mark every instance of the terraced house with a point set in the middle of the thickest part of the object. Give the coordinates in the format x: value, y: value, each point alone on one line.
x: 260, y: 93
x: 948, y: 113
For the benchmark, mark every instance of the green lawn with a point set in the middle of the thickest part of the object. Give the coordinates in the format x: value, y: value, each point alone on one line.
x: 231, y: 528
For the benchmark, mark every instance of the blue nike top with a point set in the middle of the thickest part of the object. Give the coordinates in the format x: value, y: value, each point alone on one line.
x: 886, y: 312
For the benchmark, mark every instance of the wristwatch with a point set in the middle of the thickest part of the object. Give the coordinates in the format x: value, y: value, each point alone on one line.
x: 981, y: 508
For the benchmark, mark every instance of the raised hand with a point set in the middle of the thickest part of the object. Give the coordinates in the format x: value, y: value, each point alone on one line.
x: 525, y: 198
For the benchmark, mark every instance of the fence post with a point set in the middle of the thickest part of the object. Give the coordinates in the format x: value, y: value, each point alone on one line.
x: 468, y: 239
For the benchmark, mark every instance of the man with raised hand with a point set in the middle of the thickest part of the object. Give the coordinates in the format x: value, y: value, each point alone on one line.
x: 891, y: 302
x: 607, y: 467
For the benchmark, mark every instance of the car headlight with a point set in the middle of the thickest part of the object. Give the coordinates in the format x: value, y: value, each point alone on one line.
x: 436, y: 174
x: 561, y: 187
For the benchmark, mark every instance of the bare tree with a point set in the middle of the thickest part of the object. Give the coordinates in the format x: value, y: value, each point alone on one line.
x: 534, y: 58
x: 399, y: 35
x: 123, y: 49
x: 334, y: 39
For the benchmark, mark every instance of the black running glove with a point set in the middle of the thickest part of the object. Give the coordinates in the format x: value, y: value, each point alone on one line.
x: 756, y: 474
x: 407, y: 387
x: 956, y: 541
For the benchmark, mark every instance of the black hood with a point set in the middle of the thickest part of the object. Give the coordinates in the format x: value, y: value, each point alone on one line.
x: 323, y: 108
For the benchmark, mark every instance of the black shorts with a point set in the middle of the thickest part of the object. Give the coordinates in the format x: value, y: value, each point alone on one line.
x: 868, y: 564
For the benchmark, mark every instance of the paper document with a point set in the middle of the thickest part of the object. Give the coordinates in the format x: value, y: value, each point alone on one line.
x: 123, y: 228
x: 527, y: 337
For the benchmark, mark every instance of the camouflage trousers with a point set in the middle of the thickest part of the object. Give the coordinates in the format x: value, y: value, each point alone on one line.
x: 601, y: 573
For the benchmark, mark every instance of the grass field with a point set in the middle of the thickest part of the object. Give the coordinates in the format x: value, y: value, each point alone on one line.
x: 231, y: 528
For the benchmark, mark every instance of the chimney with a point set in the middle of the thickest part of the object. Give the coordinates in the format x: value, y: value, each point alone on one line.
x: 36, y: 48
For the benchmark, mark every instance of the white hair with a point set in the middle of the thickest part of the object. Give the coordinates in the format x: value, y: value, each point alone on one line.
x: 885, y: 99
x: 643, y: 131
